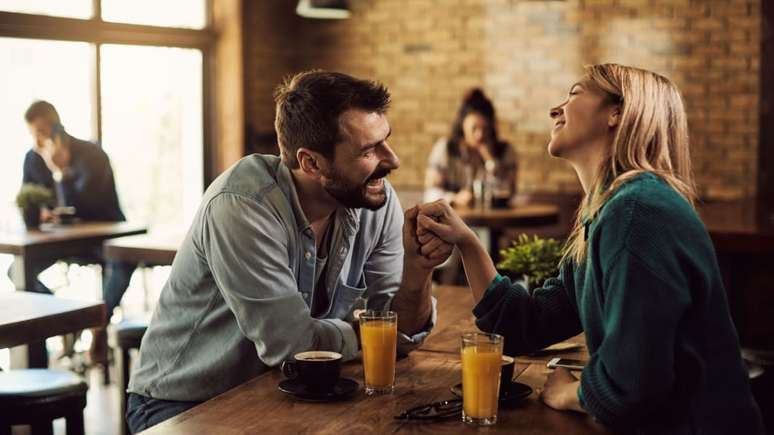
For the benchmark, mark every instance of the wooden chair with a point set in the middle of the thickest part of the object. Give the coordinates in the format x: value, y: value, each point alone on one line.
x: 36, y: 397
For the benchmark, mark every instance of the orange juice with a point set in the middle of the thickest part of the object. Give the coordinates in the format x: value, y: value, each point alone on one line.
x: 481, y: 380
x: 379, y: 339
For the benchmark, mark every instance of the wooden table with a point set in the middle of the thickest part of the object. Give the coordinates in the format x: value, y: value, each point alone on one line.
x: 153, y: 249
x: 424, y: 376
x: 57, y: 241
x: 498, y: 220
x: 27, y: 317
x: 53, y: 242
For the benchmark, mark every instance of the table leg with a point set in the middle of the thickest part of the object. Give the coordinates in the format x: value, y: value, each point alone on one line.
x: 494, y: 244
x: 24, y: 276
x: 23, y: 273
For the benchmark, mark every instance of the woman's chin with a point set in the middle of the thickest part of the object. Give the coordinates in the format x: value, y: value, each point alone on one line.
x: 554, y: 149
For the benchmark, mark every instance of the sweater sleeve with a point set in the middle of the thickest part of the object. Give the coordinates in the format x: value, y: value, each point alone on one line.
x: 529, y: 323
x: 632, y: 373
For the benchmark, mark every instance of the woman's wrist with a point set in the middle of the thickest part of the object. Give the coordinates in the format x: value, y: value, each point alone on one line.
x: 467, y: 240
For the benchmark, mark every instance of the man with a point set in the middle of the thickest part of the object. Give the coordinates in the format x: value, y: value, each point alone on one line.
x: 79, y: 173
x: 282, y: 249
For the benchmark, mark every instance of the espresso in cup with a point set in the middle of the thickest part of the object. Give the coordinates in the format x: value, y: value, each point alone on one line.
x: 316, y: 370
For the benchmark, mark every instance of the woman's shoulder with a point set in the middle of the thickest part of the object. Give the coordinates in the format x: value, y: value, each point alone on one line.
x: 647, y: 190
x: 647, y: 205
x: 440, y: 151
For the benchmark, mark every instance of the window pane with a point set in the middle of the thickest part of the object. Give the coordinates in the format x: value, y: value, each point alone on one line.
x: 55, y: 71
x: 59, y: 8
x: 152, y: 130
x: 168, y: 13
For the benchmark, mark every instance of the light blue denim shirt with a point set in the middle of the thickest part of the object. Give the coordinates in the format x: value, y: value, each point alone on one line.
x: 238, y: 298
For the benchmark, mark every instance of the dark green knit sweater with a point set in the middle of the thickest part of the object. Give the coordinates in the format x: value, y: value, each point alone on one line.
x: 664, y: 352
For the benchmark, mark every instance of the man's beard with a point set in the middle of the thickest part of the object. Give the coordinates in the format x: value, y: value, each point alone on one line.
x: 355, y: 195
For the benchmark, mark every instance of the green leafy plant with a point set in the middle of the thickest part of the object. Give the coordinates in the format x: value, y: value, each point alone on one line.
x: 535, y: 259
x: 34, y: 196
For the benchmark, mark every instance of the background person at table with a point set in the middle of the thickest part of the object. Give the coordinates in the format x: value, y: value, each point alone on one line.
x: 80, y: 174
x: 456, y: 162
x: 639, y: 276
x: 282, y: 249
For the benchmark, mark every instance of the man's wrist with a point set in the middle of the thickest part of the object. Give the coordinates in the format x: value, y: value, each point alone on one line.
x: 415, y: 277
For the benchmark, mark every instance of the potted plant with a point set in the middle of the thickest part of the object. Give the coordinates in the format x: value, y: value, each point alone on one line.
x: 30, y: 199
x: 531, y: 260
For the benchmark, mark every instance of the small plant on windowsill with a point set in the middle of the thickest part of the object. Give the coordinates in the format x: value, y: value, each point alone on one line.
x: 30, y: 199
x: 531, y: 260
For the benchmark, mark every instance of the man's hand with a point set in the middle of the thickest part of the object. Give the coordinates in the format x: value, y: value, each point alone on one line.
x: 561, y: 391
x: 55, y: 153
x: 427, y: 255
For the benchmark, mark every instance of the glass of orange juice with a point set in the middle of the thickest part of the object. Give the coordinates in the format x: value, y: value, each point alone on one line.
x: 481, y: 360
x: 378, y: 339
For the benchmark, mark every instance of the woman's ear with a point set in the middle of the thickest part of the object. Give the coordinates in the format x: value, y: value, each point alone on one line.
x: 614, y: 116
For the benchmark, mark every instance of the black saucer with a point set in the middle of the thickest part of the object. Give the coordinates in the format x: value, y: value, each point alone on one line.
x: 511, y: 393
x: 344, y: 388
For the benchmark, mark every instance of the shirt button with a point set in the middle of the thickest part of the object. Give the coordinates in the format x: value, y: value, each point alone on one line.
x: 307, y: 255
x: 306, y: 296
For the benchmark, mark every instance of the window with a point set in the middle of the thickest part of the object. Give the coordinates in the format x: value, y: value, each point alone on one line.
x: 60, y: 8
x: 137, y: 91
x: 152, y: 130
x: 33, y: 70
x: 169, y: 13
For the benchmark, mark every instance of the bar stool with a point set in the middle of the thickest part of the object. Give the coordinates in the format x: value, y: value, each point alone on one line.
x: 128, y: 335
x: 36, y: 397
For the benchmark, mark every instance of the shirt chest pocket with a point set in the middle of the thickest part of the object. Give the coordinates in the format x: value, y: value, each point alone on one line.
x: 344, y: 301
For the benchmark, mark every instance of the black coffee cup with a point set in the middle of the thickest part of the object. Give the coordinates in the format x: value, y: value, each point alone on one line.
x: 316, y: 370
x: 506, y: 369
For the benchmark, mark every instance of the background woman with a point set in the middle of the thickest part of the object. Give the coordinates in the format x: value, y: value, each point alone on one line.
x: 456, y: 163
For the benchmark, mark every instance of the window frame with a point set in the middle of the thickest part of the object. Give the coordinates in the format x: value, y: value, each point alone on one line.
x: 99, y: 32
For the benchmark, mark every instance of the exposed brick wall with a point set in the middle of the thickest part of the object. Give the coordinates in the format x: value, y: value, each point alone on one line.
x: 525, y: 54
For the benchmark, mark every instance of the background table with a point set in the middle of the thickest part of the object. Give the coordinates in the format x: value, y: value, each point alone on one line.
x: 152, y: 249
x: 424, y: 376
x: 56, y: 242
x: 498, y: 220
x: 53, y: 242
x: 26, y: 317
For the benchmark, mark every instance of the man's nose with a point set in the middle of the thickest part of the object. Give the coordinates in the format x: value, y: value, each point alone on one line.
x: 390, y: 159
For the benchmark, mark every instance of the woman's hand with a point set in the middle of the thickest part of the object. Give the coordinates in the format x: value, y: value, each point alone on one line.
x: 439, y: 219
x: 561, y: 391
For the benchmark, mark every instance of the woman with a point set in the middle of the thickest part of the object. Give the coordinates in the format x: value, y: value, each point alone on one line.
x: 470, y: 155
x: 639, y: 275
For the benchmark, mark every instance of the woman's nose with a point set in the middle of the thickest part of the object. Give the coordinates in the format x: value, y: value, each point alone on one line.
x: 556, y: 111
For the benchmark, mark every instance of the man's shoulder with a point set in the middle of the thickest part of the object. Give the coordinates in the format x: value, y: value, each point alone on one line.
x: 249, y: 176
x: 84, y: 149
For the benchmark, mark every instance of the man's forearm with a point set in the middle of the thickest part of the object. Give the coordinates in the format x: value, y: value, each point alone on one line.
x: 413, y: 301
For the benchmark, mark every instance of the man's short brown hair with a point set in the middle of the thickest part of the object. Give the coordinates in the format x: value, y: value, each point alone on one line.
x: 309, y: 105
x: 40, y: 109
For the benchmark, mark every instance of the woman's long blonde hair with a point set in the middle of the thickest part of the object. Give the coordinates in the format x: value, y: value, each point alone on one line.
x: 651, y: 136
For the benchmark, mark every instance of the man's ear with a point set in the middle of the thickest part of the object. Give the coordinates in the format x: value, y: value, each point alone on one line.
x: 311, y: 162
x: 614, y: 117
